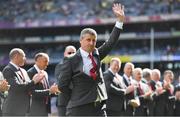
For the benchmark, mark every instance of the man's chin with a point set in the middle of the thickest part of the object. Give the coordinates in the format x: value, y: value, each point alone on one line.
x: 91, y: 49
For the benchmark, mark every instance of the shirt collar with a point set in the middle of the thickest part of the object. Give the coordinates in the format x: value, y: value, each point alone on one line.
x: 37, y: 68
x: 112, y: 71
x: 84, y: 53
x: 127, y: 78
x: 144, y: 80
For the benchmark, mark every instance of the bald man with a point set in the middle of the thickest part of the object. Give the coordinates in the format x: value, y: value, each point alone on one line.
x: 3, y: 88
x: 17, y: 101
x: 63, y: 98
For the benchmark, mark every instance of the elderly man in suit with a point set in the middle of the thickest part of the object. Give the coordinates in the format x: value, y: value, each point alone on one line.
x: 115, y: 88
x: 142, y: 92
x: 84, y: 72
x: 127, y: 79
x: 40, y: 105
x: 17, y: 101
x: 3, y: 88
x: 63, y: 98
x: 3, y: 83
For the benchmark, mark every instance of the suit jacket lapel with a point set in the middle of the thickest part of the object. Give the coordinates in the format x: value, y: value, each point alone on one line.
x: 12, y: 67
x: 80, y: 60
x: 125, y: 81
x: 96, y: 55
x: 18, y: 76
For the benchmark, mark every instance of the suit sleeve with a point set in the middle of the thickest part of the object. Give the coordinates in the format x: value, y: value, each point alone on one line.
x: 10, y: 76
x: 109, y: 44
x: 111, y: 87
x: 65, y: 76
x: 37, y: 90
x: 57, y: 71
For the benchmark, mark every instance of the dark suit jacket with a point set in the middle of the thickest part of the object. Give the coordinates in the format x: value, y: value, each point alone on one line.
x: 115, y: 99
x: 128, y: 97
x: 177, y: 102
x: 17, y: 101
x: 162, y: 104
x: 39, y: 95
x: 84, y: 89
x: 63, y: 98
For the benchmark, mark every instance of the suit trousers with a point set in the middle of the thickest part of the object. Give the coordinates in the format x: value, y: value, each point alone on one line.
x: 114, y: 113
x: 61, y: 111
x: 90, y: 109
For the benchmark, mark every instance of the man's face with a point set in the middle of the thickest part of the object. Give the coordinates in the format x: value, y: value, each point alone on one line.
x: 168, y: 78
x: 42, y: 63
x: 128, y: 70
x: 69, y: 52
x: 88, y: 42
x: 115, y: 66
x: 155, y: 76
x: 137, y: 75
x: 21, y: 58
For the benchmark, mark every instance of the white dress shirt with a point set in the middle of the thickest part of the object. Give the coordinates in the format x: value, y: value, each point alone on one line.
x: 87, y: 63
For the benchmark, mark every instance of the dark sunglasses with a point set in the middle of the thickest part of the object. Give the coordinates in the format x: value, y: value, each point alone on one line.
x: 71, y: 53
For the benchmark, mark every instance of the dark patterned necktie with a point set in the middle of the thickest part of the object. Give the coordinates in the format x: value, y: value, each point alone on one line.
x: 94, y: 68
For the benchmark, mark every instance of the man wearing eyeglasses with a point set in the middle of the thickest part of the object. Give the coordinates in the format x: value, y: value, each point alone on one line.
x: 63, y: 98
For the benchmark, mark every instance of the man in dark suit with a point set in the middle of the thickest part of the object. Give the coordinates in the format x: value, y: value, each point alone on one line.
x: 3, y: 89
x: 84, y: 72
x: 115, y: 89
x: 40, y: 97
x: 63, y: 98
x: 158, y: 93
x: 142, y: 93
x: 177, y: 97
x: 169, y: 101
x: 17, y: 101
x: 127, y: 79
x: 147, y: 74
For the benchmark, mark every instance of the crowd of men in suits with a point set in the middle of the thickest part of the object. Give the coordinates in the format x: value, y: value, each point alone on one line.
x: 140, y: 92
x: 82, y: 88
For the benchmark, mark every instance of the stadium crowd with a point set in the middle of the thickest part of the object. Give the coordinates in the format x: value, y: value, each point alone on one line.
x: 83, y: 89
x: 23, y: 10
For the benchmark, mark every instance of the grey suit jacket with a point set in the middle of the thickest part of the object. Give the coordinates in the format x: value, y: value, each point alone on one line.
x: 85, y: 90
x: 17, y: 101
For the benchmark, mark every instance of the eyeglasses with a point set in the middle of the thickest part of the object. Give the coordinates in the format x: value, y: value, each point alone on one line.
x: 71, y: 53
